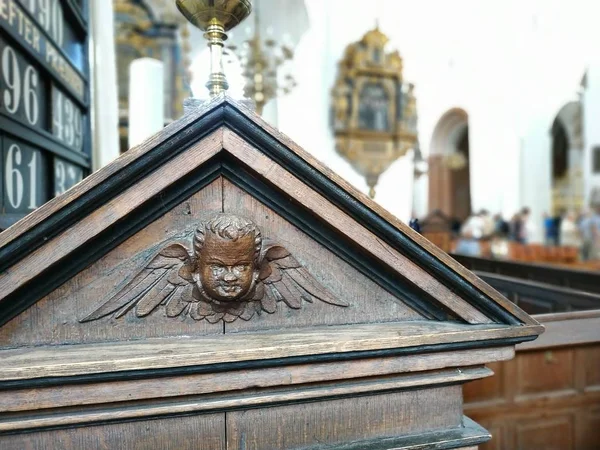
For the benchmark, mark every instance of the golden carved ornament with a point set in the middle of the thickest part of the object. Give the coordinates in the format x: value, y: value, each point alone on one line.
x: 374, y: 113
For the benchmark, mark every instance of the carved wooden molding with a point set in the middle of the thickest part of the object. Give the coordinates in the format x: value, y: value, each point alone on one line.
x: 231, y: 272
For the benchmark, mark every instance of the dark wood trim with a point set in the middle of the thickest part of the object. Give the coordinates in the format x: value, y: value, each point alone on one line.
x: 559, y: 299
x: 316, y: 180
x: 546, y: 273
x: 53, y: 276
x: 108, y: 412
x: 175, y: 140
x: 259, y: 364
x: 468, y: 435
x: 300, y: 217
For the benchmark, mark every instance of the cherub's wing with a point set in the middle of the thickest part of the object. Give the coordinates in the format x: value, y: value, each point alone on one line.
x: 166, y: 279
x: 286, y: 280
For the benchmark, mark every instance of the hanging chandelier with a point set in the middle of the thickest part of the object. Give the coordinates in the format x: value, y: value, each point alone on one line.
x: 373, y: 109
x: 266, y: 64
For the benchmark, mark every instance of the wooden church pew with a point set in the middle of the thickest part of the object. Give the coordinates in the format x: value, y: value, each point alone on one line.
x: 548, y: 397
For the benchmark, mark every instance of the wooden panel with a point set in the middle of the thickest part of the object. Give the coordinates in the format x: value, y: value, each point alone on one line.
x: 489, y: 390
x: 592, y: 365
x: 241, y: 399
x: 55, y: 318
x: 498, y: 441
x: 344, y: 420
x: 550, y: 370
x: 554, y: 433
x: 566, y: 329
x: 588, y: 429
x: 368, y: 301
x: 551, y: 390
x: 181, y: 433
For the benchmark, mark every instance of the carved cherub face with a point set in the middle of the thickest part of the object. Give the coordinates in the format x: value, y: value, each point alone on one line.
x: 227, y: 251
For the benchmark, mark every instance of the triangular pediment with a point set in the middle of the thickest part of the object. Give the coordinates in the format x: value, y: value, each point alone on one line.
x: 145, y: 207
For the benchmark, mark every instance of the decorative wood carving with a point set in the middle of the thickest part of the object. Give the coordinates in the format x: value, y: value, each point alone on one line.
x: 231, y: 272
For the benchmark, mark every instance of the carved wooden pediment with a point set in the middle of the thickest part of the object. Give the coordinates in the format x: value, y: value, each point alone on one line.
x: 217, y: 145
x: 222, y: 257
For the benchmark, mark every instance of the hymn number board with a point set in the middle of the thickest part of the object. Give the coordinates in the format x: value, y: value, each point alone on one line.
x: 44, y: 102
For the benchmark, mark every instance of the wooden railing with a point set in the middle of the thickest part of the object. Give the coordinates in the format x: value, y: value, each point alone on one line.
x: 541, y: 298
x: 586, y: 280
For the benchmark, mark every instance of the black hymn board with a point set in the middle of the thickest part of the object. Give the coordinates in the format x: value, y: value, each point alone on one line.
x: 44, y: 102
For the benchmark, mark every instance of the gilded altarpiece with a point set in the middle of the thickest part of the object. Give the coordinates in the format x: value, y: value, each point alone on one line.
x: 374, y: 114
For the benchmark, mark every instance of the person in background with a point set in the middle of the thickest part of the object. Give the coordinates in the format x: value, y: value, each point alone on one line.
x: 455, y: 226
x: 557, y: 226
x: 471, y: 232
x: 586, y: 234
x: 590, y: 232
x: 569, y: 232
x: 415, y: 225
x: 595, y: 225
x: 487, y: 224
x: 501, y: 226
x: 499, y: 245
x: 550, y: 230
x: 522, y: 226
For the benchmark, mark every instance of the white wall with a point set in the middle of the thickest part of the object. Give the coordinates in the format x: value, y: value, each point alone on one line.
x: 510, y: 64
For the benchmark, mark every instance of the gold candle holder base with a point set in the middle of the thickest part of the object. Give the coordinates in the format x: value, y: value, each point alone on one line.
x: 215, y: 18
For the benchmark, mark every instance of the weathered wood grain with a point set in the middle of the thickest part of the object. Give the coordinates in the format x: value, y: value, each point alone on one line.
x: 368, y: 302
x: 206, y: 432
x: 69, y: 360
x: 386, y: 215
x: 295, y: 375
x: 110, y: 213
x: 348, y: 227
x: 250, y: 398
x: 55, y: 318
x: 345, y: 420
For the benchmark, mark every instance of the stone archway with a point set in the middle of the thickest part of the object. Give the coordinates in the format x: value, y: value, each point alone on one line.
x: 567, y: 159
x: 449, y: 177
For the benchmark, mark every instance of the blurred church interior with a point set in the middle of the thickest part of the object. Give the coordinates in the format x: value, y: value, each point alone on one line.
x: 467, y: 117
x: 476, y: 122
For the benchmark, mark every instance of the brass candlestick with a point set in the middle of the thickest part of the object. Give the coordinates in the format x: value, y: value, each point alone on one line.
x: 215, y: 18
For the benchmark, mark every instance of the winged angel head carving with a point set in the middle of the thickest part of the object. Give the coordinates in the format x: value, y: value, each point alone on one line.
x: 231, y: 272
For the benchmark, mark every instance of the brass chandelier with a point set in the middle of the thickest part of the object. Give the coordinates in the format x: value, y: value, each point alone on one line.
x: 266, y: 65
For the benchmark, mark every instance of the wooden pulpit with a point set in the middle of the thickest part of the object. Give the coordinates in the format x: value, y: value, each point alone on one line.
x: 218, y: 288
